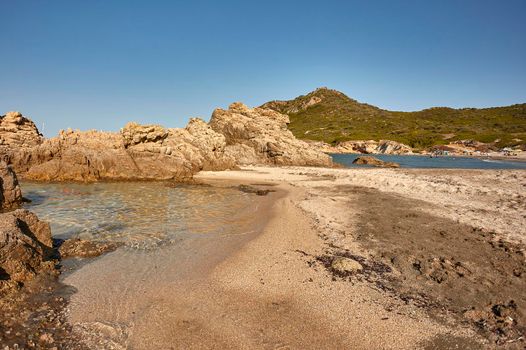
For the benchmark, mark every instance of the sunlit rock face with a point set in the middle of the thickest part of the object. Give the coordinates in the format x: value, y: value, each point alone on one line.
x: 137, y: 152
x: 17, y: 130
x: 237, y: 136
x: 260, y: 136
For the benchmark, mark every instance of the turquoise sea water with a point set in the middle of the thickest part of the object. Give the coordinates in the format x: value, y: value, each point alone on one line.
x: 444, y: 162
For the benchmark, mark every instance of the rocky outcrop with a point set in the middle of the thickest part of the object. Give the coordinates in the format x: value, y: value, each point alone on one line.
x: 239, y: 135
x: 10, y: 193
x: 260, y: 136
x: 368, y: 160
x: 18, y: 131
x: 138, y: 152
x: 392, y: 147
x: 373, y: 147
x: 25, y: 248
x: 364, y: 147
x: 196, y: 147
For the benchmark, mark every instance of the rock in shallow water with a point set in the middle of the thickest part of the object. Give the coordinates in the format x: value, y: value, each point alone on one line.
x: 368, y: 160
x: 10, y: 193
x: 80, y: 248
x: 25, y: 247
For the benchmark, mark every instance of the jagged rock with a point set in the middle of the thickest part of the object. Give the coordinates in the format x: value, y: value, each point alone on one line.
x: 363, y: 147
x: 25, y: 247
x: 79, y: 156
x: 239, y: 135
x: 197, y: 144
x: 260, y: 136
x: 18, y: 131
x: 10, y: 193
x: 368, y: 160
x: 138, y: 152
x: 134, y: 134
x: 392, y: 147
x: 374, y: 147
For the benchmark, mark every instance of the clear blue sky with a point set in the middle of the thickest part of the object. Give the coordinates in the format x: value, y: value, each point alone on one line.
x: 98, y: 64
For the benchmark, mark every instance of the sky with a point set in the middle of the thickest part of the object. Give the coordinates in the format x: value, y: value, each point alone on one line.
x: 99, y: 64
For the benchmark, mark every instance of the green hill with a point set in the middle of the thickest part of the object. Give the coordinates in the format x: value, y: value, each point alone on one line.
x: 330, y: 116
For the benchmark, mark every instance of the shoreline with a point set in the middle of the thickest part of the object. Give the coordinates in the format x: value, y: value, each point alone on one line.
x: 130, y: 298
x: 490, y: 157
x: 333, y: 223
x: 277, y: 286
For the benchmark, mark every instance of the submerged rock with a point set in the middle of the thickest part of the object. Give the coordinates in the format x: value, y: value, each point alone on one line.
x: 261, y: 136
x: 255, y: 190
x: 368, y: 160
x: 80, y: 248
x: 10, y: 193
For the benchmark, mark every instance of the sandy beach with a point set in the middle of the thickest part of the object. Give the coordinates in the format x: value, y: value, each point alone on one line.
x: 440, y: 266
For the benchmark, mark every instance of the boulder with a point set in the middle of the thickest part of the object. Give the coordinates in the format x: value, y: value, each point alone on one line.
x: 261, y: 136
x: 368, y: 160
x: 25, y: 248
x: 10, y: 193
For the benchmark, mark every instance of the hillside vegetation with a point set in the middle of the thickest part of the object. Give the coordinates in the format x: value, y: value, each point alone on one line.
x: 330, y: 116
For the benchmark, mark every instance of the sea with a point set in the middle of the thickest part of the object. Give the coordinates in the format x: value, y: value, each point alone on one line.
x: 441, y: 162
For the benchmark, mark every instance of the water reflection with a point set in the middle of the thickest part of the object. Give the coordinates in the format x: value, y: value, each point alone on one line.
x: 141, y: 214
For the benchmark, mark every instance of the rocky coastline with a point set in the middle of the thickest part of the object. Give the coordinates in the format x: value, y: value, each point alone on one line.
x: 236, y: 136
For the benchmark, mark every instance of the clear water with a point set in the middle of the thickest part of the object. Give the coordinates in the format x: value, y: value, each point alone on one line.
x: 141, y: 214
x: 445, y: 162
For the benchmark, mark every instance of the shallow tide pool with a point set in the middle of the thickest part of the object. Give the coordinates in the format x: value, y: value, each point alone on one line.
x: 139, y: 214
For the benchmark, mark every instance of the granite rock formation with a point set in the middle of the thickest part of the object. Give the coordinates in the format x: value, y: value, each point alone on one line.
x: 364, y: 147
x: 239, y: 135
x: 10, y: 193
x: 18, y: 131
x: 261, y: 136
x: 138, y: 152
x: 25, y: 248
